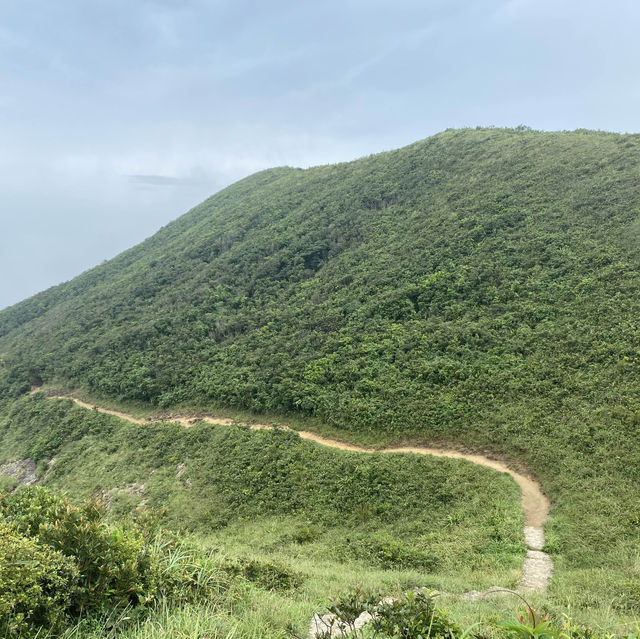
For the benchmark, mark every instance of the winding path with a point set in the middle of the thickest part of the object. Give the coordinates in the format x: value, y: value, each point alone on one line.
x: 538, y: 566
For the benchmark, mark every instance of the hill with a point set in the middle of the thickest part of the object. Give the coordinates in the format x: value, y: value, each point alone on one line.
x: 479, y: 287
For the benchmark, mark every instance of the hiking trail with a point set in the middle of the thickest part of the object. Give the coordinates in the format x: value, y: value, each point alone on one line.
x: 538, y: 566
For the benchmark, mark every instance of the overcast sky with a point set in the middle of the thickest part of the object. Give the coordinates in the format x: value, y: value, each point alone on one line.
x: 117, y: 116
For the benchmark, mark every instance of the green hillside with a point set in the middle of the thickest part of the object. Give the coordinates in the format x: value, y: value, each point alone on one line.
x: 480, y: 288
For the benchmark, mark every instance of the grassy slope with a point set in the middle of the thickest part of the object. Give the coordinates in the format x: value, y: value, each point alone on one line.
x: 479, y: 286
x: 335, y: 518
x: 332, y: 518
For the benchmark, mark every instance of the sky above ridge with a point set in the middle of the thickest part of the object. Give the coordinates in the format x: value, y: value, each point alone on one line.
x: 117, y: 116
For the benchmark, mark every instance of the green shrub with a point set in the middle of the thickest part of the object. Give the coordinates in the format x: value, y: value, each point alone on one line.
x: 413, y: 615
x: 37, y: 584
x: 113, y: 562
x: 60, y: 563
x: 305, y: 534
x: 387, y: 552
x: 266, y: 574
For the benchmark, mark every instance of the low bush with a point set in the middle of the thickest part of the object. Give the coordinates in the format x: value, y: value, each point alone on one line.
x: 113, y: 561
x: 266, y: 574
x: 387, y: 552
x: 37, y: 584
x: 61, y: 562
x: 305, y: 534
x: 413, y: 615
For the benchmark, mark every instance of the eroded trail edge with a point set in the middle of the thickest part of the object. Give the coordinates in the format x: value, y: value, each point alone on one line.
x: 538, y: 566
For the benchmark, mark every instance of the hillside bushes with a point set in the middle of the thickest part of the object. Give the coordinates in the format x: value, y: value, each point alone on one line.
x: 478, y: 288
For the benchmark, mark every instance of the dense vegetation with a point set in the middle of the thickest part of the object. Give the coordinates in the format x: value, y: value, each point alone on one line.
x: 478, y: 287
x: 287, y: 523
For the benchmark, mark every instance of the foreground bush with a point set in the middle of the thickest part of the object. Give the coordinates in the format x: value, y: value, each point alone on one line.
x: 60, y: 563
x: 36, y: 584
x: 413, y: 615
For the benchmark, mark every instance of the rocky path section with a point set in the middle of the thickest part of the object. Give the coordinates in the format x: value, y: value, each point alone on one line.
x: 538, y: 566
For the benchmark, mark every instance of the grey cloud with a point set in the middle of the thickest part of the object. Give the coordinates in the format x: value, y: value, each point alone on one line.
x: 163, y: 180
x: 118, y: 116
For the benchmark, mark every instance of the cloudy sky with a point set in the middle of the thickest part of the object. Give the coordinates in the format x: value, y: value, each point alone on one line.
x: 117, y: 116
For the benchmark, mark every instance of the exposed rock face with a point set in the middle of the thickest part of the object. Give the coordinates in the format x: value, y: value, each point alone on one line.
x: 23, y: 471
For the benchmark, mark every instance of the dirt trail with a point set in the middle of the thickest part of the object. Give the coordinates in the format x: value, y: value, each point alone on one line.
x: 538, y: 566
x: 183, y: 421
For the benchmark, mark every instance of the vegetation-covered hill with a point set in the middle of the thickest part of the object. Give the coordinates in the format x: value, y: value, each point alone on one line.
x: 479, y: 287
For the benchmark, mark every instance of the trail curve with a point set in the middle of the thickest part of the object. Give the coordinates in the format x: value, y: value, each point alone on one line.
x: 538, y: 566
